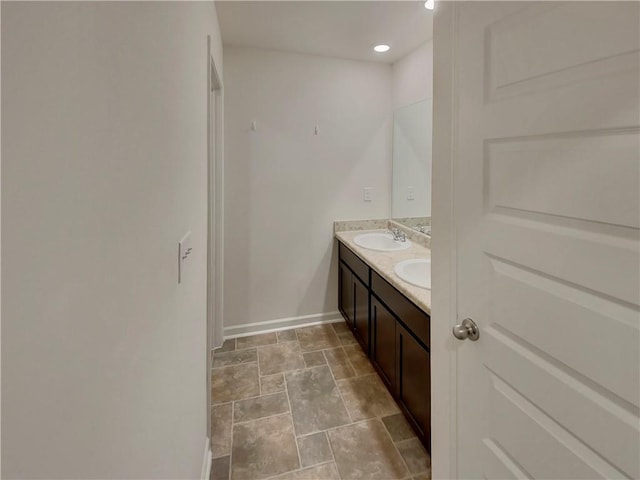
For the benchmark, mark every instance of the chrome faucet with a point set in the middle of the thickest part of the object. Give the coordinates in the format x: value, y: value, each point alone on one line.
x: 398, y: 235
x: 426, y: 229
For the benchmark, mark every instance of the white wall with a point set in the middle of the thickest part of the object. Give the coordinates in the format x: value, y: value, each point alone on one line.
x: 412, y: 135
x: 412, y: 83
x: 285, y: 186
x: 103, y: 170
x: 0, y: 265
x: 413, y: 76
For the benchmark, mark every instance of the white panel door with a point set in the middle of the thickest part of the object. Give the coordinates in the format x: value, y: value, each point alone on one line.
x: 547, y: 214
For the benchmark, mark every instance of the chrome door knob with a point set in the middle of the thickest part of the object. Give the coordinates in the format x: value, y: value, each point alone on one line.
x: 466, y: 329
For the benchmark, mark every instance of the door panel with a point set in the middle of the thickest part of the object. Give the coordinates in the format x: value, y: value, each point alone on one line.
x: 545, y: 312
x: 588, y: 412
x: 345, y: 300
x: 383, y: 348
x: 542, y: 448
x: 543, y: 45
x: 545, y: 173
x: 547, y: 187
x: 584, y: 255
x: 497, y: 464
x: 414, y: 381
x: 361, y: 313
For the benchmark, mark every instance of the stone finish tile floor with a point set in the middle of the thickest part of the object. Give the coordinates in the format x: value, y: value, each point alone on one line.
x: 307, y: 404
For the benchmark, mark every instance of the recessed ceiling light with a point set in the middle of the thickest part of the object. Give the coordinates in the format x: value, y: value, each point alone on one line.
x: 382, y: 48
x: 429, y: 4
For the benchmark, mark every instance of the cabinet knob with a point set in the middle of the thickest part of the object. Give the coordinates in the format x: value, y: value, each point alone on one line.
x: 466, y: 329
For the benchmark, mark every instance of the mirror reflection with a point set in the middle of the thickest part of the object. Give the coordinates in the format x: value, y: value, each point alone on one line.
x: 411, y: 185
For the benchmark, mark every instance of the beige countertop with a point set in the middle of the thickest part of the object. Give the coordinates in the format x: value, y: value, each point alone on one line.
x: 384, y: 262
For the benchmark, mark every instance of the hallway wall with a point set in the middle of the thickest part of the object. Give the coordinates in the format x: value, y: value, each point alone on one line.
x: 103, y: 170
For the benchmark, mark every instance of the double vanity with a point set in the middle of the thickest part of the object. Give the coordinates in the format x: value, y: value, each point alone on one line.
x: 385, y: 269
x: 385, y: 298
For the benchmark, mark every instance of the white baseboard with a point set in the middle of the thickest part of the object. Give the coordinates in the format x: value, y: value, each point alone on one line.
x: 246, y: 329
x: 206, y: 461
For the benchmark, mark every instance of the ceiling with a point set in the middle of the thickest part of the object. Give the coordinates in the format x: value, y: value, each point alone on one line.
x: 344, y: 29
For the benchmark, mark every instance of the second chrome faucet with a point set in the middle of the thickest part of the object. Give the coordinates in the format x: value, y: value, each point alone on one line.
x: 398, y: 235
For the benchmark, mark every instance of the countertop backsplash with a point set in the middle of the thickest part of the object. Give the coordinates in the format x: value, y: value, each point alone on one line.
x: 381, y: 224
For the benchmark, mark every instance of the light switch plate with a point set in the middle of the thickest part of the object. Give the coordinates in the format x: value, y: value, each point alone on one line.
x: 411, y: 193
x: 185, y: 251
x: 367, y: 194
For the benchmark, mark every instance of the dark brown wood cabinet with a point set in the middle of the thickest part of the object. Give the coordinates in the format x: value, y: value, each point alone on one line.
x: 361, y: 312
x: 413, y: 385
x: 353, y: 299
x: 383, y: 343
x: 393, y: 332
x: 345, y: 293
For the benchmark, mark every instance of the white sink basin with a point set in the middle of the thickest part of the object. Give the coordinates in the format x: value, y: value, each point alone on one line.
x: 416, y: 272
x: 380, y: 241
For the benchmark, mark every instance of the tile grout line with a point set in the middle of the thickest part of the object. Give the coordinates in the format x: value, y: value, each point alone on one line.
x: 326, y: 432
x: 259, y: 379
x: 247, y: 398
x: 324, y: 352
x: 333, y: 454
x: 256, y: 346
x: 410, y: 474
x: 293, y: 425
x: 339, y: 392
x: 244, y: 422
x: 259, y: 344
x: 351, y: 363
x: 331, y: 429
x: 337, y: 388
x: 395, y: 444
x: 355, y: 374
x: 234, y: 365
x: 397, y: 450
x: 293, y: 370
x: 233, y: 427
x: 298, y: 470
x: 259, y: 375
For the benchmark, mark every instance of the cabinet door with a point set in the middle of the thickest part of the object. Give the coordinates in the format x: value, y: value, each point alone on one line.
x: 345, y: 294
x: 383, y: 342
x: 413, y: 388
x: 361, y: 313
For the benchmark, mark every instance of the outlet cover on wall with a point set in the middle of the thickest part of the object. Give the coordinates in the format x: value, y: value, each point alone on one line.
x: 411, y: 193
x: 367, y: 194
x: 184, y: 254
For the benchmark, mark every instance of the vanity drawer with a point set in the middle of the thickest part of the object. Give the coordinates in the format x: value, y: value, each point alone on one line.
x: 417, y: 321
x: 356, y: 265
